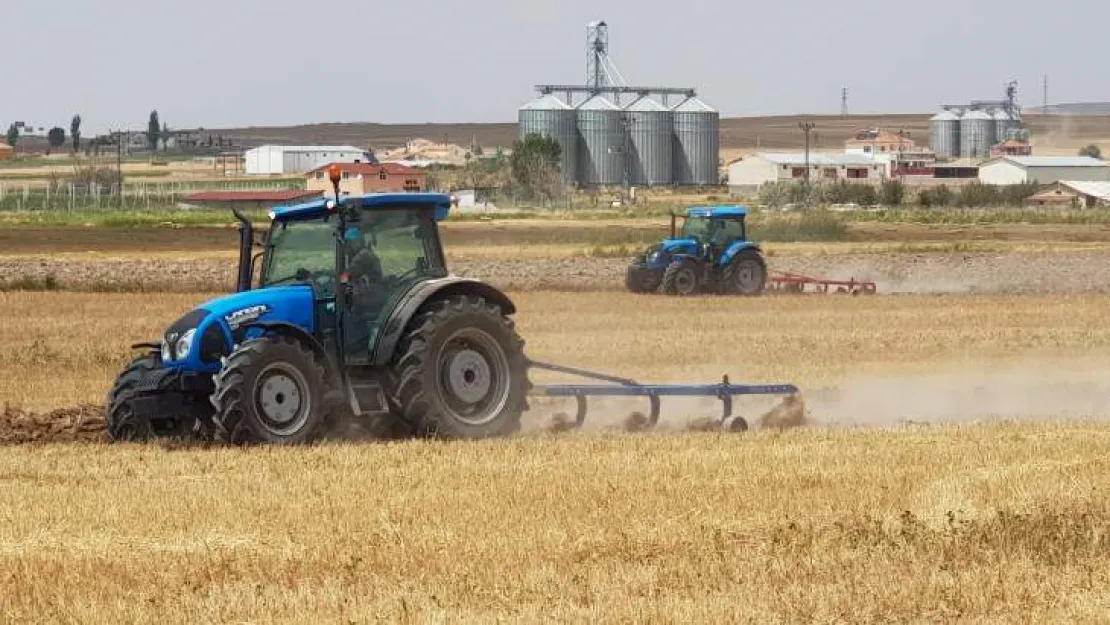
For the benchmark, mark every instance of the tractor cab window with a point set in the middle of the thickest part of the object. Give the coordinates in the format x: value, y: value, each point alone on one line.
x: 731, y: 229
x: 697, y: 227
x: 301, y: 251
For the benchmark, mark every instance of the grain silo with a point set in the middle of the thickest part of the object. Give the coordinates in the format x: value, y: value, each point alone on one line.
x: 1003, y: 122
x: 651, y: 139
x: 600, y: 154
x: 549, y: 116
x: 697, y: 144
x: 976, y: 134
x: 945, y: 134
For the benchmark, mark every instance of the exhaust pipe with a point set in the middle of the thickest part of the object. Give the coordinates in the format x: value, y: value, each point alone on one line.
x: 246, y: 244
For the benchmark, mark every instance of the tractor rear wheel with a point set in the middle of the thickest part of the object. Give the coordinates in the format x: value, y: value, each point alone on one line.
x: 746, y: 274
x: 270, y: 390
x: 681, y: 278
x: 460, y: 371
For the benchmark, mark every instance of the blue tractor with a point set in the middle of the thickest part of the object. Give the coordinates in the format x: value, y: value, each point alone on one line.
x: 712, y: 254
x: 354, y: 313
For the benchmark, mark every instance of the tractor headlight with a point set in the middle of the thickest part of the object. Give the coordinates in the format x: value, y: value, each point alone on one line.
x: 166, y: 355
x: 654, y: 256
x: 181, y: 348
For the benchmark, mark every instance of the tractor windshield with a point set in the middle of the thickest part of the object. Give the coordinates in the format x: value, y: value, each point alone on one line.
x: 300, y: 251
x: 697, y: 228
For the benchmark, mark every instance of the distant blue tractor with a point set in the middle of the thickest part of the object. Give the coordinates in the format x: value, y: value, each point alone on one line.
x: 354, y: 314
x: 713, y: 254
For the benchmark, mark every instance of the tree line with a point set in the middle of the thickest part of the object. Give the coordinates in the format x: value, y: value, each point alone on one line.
x: 157, y: 131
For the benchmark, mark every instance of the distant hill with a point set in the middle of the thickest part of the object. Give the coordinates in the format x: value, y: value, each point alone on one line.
x: 737, y: 133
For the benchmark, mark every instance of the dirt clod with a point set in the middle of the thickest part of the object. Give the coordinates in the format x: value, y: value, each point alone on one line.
x: 83, y: 423
x: 790, y: 413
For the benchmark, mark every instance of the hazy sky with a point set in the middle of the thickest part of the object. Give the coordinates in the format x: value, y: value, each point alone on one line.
x: 219, y: 63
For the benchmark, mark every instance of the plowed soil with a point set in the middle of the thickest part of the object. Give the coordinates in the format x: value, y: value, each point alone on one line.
x: 64, y: 425
x: 1012, y: 272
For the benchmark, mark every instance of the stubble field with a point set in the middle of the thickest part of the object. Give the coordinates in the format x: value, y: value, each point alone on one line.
x: 954, y: 468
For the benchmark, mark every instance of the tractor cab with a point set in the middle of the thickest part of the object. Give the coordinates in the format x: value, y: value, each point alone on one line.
x: 711, y: 251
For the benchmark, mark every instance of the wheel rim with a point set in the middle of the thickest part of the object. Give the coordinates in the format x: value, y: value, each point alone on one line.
x: 747, y: 276
x: 282, y: 398
x: 473, y: 377
x: 684, y: 280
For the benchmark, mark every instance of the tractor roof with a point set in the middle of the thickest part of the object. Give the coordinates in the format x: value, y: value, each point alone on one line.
x: 717, y: 211
x: 319, y: 206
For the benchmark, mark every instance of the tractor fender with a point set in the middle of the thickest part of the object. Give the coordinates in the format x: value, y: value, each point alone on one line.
x: 423, y: 293
x: 736, y: 248
x: 286, y: 329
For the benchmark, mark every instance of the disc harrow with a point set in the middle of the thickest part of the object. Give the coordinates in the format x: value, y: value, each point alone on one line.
x: 788, y: 282
x: 725, y: 391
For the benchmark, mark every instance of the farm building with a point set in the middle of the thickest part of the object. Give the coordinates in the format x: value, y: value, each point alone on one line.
x: 298, y: 159
x: 6, y: 152
x: 1073, y: 194
x: 1008, y: 170
x: 362, y: 178
x: 751, y: 172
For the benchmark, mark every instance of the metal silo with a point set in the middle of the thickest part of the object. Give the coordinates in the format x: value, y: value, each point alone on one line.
x: 976, y: 134
x: 550, y: 116
x: 697, y: 143
x: 600, y: 154
x: 1002, y: 125
x: 651, y: 135
x: 945, y: 134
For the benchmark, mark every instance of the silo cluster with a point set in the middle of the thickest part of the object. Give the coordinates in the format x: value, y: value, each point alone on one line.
x: 971, y: 132
x: 654, y: 145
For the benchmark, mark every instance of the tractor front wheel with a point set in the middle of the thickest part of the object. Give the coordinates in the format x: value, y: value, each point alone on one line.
x: 123, y: 424
x: 746, y: 274
x: 270, y: 390
x: 681, y: 278
x: 460, y: 371
x: 640, y: 279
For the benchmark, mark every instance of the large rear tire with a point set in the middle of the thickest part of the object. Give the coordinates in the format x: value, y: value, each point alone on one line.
x: 681, y: 278
x: 459, y: 371
x: 746, y: 274
x: 271, y: 390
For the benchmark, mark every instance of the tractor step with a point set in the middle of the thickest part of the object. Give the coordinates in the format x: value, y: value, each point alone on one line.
x: 623, y: 387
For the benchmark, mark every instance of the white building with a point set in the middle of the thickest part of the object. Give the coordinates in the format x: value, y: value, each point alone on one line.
x: 1007, y: 170
x: 298, y: 159
x: 751, y: 172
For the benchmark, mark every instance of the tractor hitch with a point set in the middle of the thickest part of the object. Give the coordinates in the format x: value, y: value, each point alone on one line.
x: 624, y: 387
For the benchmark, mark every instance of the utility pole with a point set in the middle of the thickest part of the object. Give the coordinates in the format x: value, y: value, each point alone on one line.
x: 807, y: 127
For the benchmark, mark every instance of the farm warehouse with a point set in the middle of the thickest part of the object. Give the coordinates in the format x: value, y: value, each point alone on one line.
x: 751, y: 172
x: 1009, y: 170
x: 298, y: 159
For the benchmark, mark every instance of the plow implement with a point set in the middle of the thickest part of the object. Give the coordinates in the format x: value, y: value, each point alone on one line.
x: 623, y: 387
x: 797, y: 283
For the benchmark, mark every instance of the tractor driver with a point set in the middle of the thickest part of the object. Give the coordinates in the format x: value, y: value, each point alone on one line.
x: 365, y: 270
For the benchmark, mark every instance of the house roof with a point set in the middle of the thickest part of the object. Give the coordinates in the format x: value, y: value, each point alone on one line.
x: 1051, y: 161
x: 287, y: 195
x: 1100, y: 190
x: 369, y: 169
x: 818, y: 159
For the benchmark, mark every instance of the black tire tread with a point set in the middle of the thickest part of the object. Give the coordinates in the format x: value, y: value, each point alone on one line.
x: 746, y: 254
x: 407, y: 391
x: 123, y: 391
x: 671, y: 274
x: 231, y: 424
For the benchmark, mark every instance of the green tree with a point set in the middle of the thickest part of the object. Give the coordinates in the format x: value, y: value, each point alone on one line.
x: 56, y: 137
x: 165, y: 137
x: 153, y: 130
x: 13, y: 135
x: 535, y: 165
x: 1091, y: 150
x: 892, y: 193
x: 75, y: 132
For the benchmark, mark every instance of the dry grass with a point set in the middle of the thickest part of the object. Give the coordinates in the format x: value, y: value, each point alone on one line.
x: 984, y: 523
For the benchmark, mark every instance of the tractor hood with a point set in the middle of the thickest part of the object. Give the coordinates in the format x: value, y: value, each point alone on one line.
x: 200, y: 337
x: 679, y: 245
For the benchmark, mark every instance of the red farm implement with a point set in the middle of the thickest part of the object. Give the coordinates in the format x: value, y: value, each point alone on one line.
x: 782, y: 281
